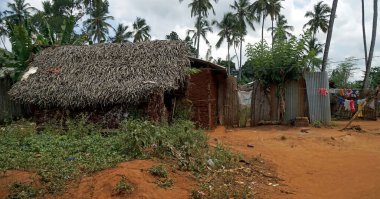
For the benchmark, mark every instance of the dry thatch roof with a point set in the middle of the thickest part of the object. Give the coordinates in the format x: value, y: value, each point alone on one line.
x: 102, y: 75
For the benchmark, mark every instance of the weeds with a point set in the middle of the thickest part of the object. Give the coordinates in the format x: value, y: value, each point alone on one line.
x: 123, y: 187
x: 164, y: 183
x: 20, y: 190
x: 159, y: 171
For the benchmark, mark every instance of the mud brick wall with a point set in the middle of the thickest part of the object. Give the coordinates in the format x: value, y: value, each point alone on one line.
x: 203, y: 93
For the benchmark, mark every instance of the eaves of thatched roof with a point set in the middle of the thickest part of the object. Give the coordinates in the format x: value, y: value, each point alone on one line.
x: 103, y: 74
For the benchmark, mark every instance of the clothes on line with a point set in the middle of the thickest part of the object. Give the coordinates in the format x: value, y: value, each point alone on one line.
x: 323, y: 91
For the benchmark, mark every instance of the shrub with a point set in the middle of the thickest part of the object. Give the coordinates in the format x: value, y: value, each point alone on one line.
x: 159, y: 171
x: 123, y: 187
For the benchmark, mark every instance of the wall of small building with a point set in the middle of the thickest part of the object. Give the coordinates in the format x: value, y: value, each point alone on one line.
x: 203, y: 93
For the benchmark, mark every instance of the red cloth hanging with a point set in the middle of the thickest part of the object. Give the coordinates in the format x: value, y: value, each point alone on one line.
x: 323, y: 91
x: 352, y: 106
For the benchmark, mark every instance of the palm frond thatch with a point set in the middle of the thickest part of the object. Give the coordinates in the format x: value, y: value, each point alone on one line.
x: 103, y: 75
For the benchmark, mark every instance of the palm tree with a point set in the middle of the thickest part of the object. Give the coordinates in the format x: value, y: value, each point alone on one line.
x: 202, y: 27
x: 200, y: 9
x: 173, y: 36
x: 244, y: 16
x: 97, y: 26
x: 319, y: 18
x: 274, y: 8
x: 19, y: 11
x: 261, y: 8
x: 122, y: 34
x: 141, y: 30
x: 227, y: 32
x: 3, y: 31
x: 329, y: 35
x: 372, y: 46
x: 282, y: 24
x: 313, y: 48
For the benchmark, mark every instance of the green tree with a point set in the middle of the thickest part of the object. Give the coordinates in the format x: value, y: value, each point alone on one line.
x: 173, y: 36
x: 281, y: 25
x: 374, y: 77
x: 19, y: 11
x: 319, y: 18
x: 200, y: 10
x: 122, y: 34
x: 97, y: 26
x: 260, y: 9
x: 141, y: 30
x: 343, y: 72
x: 274, y: 9
x: 3, y: 30
x: 244, y: 16
x: 202, y: 27
x: 227, y: 27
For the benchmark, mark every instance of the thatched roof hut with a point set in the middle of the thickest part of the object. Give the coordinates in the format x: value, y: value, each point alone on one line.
x: 102, y: 75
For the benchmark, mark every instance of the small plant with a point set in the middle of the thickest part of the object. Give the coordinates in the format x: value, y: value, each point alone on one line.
x: 165, y: 183
x: 317, y: 124
x: 20, y: 190
x: 123, y: 187
x: 159, y: 171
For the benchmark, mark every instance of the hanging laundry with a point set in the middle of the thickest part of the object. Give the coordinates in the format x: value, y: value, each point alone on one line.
x: 342, y: 92
x: 341, y: 100
x: 323, y: 91
x: 357, y: 93
x: 348, y: 92
x: 347, y: 105
x: 352, y: 106
x: 360, y: 107
x: 353, y: 94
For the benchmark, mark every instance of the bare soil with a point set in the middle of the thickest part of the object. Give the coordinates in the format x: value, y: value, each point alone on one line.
x: 323, y: 163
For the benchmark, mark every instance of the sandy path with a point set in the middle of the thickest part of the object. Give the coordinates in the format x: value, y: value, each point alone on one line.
x: 323, y: 163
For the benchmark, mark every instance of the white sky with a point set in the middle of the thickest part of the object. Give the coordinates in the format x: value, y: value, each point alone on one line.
x: 165, y: 16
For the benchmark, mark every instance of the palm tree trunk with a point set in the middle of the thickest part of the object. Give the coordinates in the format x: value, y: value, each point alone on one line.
x: 198, y: 35
x: 228, y: 59
x: 241, y: 55
x: 272, y: 33
x: 262, y: 30
x: 329, y: 35
x: 371, y: 48
x: 364, y: 34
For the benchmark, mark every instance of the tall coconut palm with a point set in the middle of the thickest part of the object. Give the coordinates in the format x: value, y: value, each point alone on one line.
x: 202, y: 27
x: 227, y: 27
x: 97, y: 26
x: 122, y: 34
x: 3, y: 31
x: 141, y: 30
x: 329, y: 35
x: 372, y: 46
x: 19, y: 11
x: 261, y: 8
x: 200, y: 10
x: 274, y: 8
x: 319, y: 18
x: 282, y: 24
x: 244, y: 16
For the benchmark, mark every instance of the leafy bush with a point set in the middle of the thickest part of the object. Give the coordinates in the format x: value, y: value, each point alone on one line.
x: 20, y: 190
x: 159, y: 171
x: 123, y: 187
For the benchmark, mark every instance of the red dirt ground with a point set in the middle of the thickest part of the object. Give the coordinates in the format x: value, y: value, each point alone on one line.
x: 324, y: 163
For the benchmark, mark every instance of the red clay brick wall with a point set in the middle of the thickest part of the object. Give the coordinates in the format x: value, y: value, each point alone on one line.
x: 203, y: 92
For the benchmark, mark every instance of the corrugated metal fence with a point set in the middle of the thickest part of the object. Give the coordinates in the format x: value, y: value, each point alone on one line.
x: 295, y: 100
x: 319, y: 105
x: 8, y: 109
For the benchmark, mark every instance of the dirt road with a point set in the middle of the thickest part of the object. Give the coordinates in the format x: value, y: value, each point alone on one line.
x: 324, y: 163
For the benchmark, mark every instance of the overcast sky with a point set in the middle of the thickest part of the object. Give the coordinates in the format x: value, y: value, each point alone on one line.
x: 165, y: 16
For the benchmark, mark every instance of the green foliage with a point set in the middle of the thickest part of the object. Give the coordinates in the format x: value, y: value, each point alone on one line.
x: 159, y: 171
x: 286, y: 61
x: 20, y: 190
x: 342, y: 73
x: 123, y: 187
x: 165, y: 183
x: 317, y: 124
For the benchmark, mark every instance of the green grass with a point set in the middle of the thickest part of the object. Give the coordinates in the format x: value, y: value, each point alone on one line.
x: 59, y: 156
x: 159, y: 171
x: 123, y: 187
